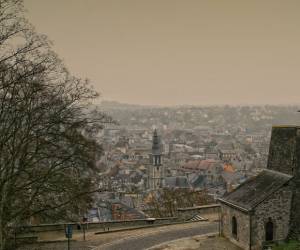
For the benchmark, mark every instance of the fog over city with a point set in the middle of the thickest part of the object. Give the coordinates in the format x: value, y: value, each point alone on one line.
x: 174, y: 52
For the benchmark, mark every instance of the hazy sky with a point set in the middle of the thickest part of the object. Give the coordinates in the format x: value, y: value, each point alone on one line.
x: 178, y: 51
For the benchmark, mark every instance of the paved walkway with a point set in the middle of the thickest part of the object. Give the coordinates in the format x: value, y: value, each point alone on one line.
x: 199, y: 242
x: 131, y: 240
x: 146, y: 240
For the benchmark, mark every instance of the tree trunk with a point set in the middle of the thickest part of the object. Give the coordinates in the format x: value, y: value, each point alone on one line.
x: 2, y: 236
x: 2, y: 227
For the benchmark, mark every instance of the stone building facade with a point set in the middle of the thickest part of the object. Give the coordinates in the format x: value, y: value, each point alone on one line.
x: 241, y: 237
x: 267, y: 207
x: 275, y: 209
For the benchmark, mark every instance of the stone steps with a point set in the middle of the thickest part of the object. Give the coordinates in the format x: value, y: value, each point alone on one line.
x: 197, y: 217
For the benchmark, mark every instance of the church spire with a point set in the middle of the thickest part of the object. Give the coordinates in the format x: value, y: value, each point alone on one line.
x: 156, y: 168
x: 156, y: 145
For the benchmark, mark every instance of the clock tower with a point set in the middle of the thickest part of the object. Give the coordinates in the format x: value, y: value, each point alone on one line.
x: 156, y: 170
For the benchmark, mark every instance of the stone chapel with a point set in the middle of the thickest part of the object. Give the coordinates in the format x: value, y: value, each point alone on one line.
x: 267, y: 207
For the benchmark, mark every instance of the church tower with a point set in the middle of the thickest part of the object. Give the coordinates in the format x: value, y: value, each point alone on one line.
x: 156, y: 170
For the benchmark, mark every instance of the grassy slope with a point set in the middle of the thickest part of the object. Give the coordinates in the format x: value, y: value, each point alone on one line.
x: 292, y: 245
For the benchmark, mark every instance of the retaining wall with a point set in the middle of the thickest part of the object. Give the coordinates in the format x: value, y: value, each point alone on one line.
x: 188, y: 212
x: 96, y: 225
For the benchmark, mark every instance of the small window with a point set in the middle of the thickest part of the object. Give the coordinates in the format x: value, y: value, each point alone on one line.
x: 234, y: 227
x: 269, y: 230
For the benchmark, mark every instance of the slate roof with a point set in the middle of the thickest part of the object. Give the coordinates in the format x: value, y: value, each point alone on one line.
x: 255, y: 190
x: 198, y: 181
x: 232, y: 178
x: 177, y: 181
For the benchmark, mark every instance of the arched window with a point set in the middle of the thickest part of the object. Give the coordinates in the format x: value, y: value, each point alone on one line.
x: 234, y: 227
x: 269, y: 227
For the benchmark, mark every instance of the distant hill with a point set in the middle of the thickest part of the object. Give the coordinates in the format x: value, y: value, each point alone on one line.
x: 252, y: 118
x: 118, y: 105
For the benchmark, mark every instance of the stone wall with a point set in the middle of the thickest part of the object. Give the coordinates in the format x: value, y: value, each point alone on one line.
x: 282, y: 150
x: 188, y: 212
x: 243, y: 226
x: 295, y: 211
x: 45, y: 228
x: 277, y: 207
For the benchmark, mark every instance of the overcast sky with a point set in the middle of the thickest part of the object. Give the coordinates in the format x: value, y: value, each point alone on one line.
x: 172, y: 52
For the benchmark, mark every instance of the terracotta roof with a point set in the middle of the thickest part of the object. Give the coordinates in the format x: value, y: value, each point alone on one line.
x: 228, y: 168
x: 255, y: 190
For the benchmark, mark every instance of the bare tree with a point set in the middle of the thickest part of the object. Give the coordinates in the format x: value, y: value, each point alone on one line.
x: 164, y: 202
x: 47, y: 150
